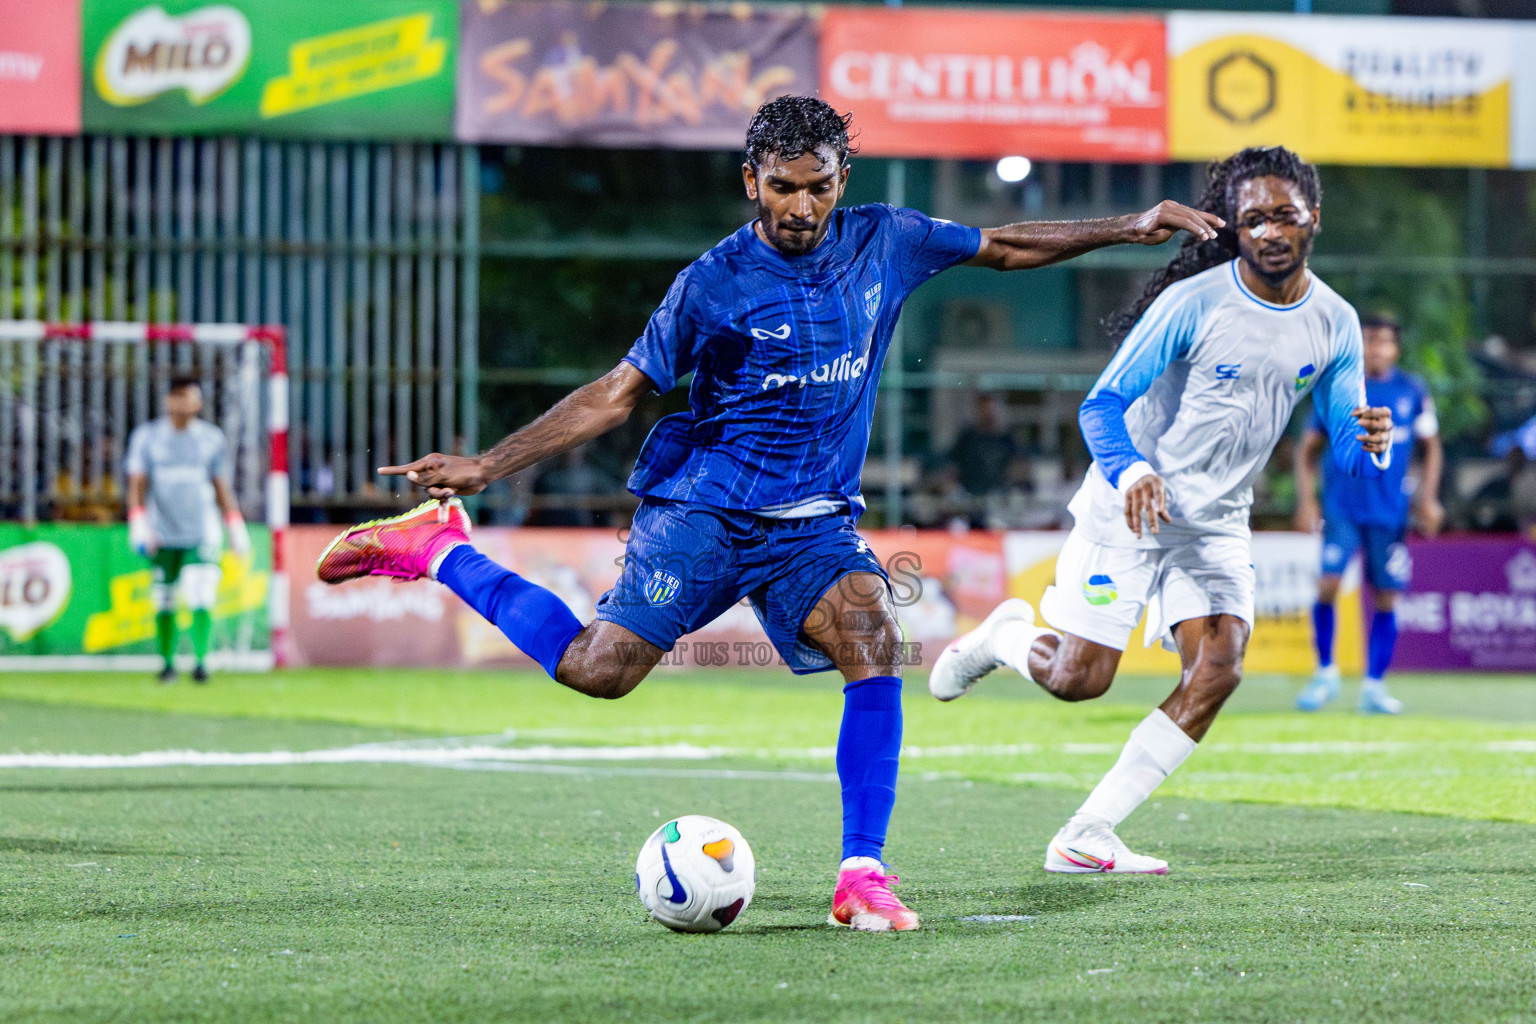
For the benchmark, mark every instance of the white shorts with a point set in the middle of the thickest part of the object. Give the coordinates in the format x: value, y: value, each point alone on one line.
x: 1101, y: 591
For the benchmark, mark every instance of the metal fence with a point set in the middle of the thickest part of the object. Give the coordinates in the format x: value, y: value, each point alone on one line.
x: 366, y: 253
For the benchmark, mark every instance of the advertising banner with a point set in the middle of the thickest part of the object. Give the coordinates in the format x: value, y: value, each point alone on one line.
x: 942, y: 585
x: 271, y: 67
x: 955, y: 83
x: 40, y: 67
x: 1472, y: 605
x: 1285, y: 584
x: 1408, y: 91
x: 683, y: 76
x: 74, y: 594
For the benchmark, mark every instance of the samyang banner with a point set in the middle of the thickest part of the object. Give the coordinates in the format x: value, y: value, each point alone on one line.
x: 383, y: 69
x: 979, y: 84
x: 1405, y: 91
x: 40, y: 67
x: 681, y: 76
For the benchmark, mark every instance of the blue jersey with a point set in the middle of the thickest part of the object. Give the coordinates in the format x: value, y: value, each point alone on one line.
x: 1382, y: 500
x: 785, y: 353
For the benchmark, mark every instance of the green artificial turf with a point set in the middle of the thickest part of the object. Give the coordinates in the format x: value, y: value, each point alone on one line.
x: 402, y: 893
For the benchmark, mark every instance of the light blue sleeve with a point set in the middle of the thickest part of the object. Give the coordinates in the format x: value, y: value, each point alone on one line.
x: 1340, y: 391
x: 1164, y: 333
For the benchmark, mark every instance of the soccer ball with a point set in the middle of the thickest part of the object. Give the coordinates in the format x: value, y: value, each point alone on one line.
x: 696, y: 874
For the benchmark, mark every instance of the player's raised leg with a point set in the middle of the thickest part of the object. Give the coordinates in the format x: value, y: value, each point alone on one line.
x: 854, y: 624
x: 432, y: 542
x: 1004, y: 637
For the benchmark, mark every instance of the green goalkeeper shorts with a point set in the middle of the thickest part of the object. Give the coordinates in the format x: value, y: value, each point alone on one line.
x: 169, y: 562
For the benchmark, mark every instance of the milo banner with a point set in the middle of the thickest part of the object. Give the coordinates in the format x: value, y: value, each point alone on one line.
x: 683, y: 76
x: 73, y: 595
x: 1409, y: 91
x: 382, y: 69
x: 1472, y: 605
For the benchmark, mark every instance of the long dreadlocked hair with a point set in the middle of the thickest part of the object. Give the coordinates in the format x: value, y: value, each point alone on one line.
x: 1220, y: 198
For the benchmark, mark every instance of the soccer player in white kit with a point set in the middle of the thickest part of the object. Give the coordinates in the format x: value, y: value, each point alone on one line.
x: 1217, y: 352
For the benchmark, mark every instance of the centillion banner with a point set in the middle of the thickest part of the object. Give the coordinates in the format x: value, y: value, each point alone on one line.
x: 1398, y: 91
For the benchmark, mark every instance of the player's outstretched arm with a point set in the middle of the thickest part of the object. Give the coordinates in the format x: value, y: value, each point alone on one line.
x: 1033, y: 244
x: 576, y: 419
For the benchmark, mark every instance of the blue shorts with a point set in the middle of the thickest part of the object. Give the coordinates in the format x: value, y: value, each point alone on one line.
x: 1387, y: 564
x: 687, y: 563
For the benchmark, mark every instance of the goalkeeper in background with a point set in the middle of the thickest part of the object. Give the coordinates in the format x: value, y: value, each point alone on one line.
x: 178, y: 485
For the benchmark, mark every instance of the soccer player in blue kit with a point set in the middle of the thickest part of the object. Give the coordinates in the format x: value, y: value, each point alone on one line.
x: 1373, y: 514
x: 1216, y: 354
x: 753, y: 492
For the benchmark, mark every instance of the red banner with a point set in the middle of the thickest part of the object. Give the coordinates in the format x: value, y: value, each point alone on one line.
x: 40, y: 67
x: 974, y: 84
x: 941, y: 584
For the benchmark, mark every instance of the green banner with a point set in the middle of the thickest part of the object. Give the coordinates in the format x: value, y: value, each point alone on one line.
x: 75, y: 589
x: 371, y: 69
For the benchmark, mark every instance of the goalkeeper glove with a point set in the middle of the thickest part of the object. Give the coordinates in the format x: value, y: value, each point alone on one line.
x: 140, y: 537
x: 239, y: 536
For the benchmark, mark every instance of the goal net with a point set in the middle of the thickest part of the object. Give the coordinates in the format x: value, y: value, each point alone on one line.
x: 71, y: 594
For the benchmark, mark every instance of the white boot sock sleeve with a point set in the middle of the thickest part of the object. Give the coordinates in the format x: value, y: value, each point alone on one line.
x: 1157, y: 746
x: 1011, y: 643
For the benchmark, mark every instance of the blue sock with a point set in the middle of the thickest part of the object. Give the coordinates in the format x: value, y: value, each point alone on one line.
x: 868, y: 747
x: 1382, y: 640
x: 535, y: 620
x: 1322, y: 633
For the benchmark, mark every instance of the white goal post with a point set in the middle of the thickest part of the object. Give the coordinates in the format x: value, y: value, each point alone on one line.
x: 70, y: 393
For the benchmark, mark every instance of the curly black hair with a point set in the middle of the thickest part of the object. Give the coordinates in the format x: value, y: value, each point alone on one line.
x: 792, y: 125
x: 1220, y: 198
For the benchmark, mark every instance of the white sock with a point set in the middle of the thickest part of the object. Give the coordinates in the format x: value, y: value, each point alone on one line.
x: 856, y: 863
x: 1011, y: 642
x: 1372, y: 684
x: 1157, y: 746
x: 437, y: 559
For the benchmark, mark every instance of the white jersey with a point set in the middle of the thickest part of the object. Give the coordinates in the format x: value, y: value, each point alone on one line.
x: 1200, y: 393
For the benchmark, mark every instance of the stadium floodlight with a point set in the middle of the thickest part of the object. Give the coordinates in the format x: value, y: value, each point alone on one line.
x: 81, y: 388
x: 1014, y: 169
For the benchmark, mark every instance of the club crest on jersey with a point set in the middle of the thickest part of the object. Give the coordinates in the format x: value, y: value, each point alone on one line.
x: 872, y: 298
x: 662, y: 587
x: 1304, y: 376
x: 779, y: 333
x: 1099, y: 590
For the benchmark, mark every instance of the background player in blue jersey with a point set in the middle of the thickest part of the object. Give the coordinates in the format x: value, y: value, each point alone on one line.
x: 1370, y: 514
x: 1217, y: 353
x: 753, y: 492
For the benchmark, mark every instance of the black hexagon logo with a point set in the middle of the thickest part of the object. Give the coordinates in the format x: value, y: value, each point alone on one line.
x: 1242, y: 87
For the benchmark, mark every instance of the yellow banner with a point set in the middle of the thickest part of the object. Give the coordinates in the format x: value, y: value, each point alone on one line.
x: 1286, y: 568
x: 1414, y: 92
x: 355, y: 61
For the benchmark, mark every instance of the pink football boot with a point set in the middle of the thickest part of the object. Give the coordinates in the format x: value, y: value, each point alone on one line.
x: 864, y: 902
x: 402, y: 546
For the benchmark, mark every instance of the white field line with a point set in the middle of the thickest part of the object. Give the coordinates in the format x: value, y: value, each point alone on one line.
x: 485, y: 752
